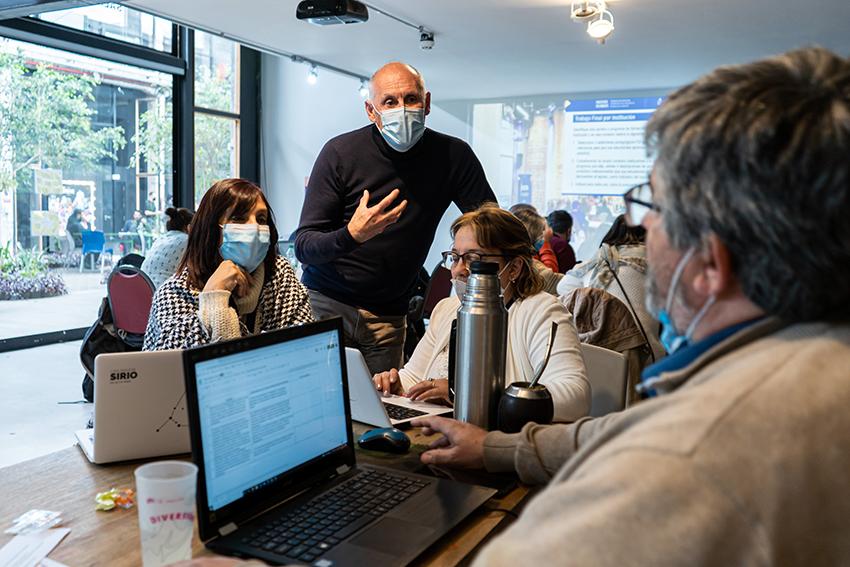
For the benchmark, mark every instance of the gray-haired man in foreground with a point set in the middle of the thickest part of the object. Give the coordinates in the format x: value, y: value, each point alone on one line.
x: 742, y: 456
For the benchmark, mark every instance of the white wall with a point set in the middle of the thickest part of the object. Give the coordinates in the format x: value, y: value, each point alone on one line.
x: 297, y: 120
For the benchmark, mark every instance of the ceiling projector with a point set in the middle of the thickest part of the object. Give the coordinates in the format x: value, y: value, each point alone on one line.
x: 329, y: 12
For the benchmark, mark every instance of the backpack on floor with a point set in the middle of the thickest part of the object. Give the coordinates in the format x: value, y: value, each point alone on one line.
x: 103, y: 337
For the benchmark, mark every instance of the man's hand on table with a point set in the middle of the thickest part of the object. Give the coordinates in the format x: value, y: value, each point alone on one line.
x: 461, y: 446
x: 368, y: 222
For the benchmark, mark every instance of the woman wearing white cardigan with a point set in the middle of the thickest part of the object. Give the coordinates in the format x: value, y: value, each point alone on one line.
x: 495, y: 235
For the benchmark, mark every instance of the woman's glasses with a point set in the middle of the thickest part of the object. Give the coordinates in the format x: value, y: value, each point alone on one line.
x: 451, y: 258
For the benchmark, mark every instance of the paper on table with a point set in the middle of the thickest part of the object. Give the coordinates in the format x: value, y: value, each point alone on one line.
x: 48, y: 562
x: 29, y: 549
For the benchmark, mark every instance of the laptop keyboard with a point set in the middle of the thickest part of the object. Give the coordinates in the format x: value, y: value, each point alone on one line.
x: 318, y: 525
x: 401, y: 412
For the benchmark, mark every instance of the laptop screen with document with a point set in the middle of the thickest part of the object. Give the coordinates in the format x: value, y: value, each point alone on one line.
x: 270, y: 426
x: 266, y: 411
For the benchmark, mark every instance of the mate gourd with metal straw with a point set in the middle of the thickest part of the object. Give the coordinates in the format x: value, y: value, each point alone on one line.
x: 524, y: 402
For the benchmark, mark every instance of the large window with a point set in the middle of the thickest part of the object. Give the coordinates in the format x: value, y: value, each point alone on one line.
x: 216, y: 111
x: 117, y: 22
x: 84, y: 178
x: 98, y: 136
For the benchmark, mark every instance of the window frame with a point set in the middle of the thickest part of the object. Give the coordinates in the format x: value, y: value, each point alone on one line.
x: 57, y: 36
x: 180, y: 64
x: 248, y: 69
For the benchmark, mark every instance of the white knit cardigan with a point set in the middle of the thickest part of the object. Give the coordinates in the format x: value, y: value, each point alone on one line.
x: 178, y: 320
x: 529, y: 322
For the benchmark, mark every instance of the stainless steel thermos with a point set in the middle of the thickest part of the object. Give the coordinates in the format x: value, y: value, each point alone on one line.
x: 482, y: 327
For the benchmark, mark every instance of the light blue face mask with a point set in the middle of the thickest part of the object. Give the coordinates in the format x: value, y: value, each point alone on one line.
x: 670, y: 337
x: 459, y: 286
x: 245, y: 244
x: 402, y: 127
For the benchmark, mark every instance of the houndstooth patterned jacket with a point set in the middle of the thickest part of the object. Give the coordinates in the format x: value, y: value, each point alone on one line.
x: 174, y: 322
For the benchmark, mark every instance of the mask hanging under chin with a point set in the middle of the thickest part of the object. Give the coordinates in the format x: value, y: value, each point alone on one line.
x: 670, y: 337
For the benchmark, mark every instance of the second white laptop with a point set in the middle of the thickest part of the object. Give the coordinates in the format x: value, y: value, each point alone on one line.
x: 139, y: 407
x: 370, y: 407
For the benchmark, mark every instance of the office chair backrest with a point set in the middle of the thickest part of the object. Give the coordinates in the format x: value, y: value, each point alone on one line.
x: 93, y: 241
x: 607, y: 372
x: 439, y: 287
x: 130, y: 292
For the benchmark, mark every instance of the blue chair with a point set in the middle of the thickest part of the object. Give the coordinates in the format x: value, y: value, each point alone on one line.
x: 93, y: 243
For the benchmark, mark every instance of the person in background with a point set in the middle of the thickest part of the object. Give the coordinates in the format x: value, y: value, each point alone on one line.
x: 533, y: 222
x: 561, y: 223
x: 516, y: 207
x: 373, y: 203
x: 495, y: 235
x: 740, y: 456
x: 231, y: 282
x: 162, y: 259
x: 75, y: 226
x: 540, y: 234
x: 621, y: 253
x: 134, y: 223
x: 138, y: 227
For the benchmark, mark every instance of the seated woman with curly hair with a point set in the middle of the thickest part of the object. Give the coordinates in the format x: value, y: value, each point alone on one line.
x: 495, y: 235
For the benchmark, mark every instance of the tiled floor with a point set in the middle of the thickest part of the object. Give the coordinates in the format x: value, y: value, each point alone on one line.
x: 33, y: 382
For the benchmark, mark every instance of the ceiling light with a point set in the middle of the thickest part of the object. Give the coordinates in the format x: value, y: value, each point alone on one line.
x: 313, y: 75
x: 602, y: 27
x: 584, y: 11
x: 363, y: 90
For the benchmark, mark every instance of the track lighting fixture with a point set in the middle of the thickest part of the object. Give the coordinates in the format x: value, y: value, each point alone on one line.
x: 597, y: 14
x: 602, y: 27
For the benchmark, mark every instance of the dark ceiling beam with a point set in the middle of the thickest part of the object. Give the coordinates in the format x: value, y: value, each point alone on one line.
x: 21, y: 8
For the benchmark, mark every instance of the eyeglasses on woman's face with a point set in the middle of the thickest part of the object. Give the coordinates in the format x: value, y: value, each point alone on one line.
x: 450, y: 258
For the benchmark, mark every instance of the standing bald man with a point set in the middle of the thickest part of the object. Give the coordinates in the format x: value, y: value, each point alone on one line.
x: 373, y: 203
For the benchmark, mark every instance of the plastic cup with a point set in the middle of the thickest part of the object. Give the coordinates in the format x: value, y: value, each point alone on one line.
x: 165, y: 493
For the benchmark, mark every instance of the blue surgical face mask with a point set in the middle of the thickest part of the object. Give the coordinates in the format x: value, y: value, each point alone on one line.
x: 402, y: 127
x: 245, y: 244
x: 670, y: 337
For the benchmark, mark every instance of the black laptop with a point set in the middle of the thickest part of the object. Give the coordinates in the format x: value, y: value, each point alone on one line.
x: 270, y: 426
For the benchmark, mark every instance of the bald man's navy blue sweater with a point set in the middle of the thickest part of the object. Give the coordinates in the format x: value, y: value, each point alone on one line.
x: 379, y: 274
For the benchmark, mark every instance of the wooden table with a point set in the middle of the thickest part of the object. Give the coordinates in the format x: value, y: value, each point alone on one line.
x: 67, y: 482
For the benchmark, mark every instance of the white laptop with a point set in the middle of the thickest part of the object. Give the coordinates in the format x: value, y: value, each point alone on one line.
x: 139, y: 407
x: 371, y: 407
